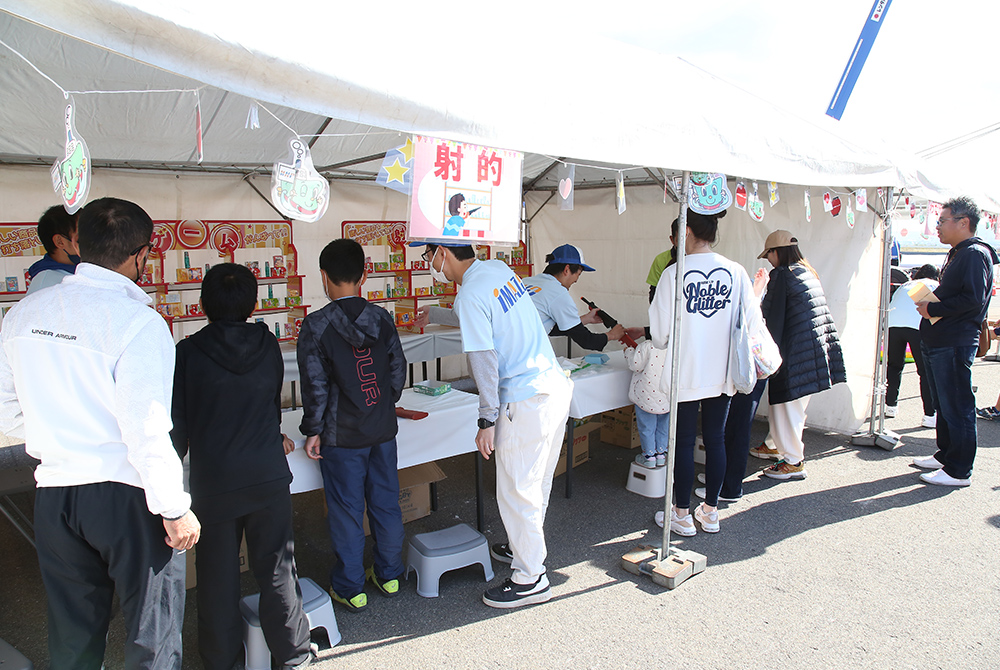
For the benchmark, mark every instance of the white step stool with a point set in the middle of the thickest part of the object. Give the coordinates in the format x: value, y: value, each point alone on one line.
x: 319, y: 611
x: 648, y: 482
x: 12, y: 659
x: 433, y: 554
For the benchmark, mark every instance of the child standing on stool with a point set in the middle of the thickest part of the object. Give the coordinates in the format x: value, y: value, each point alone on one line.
x: 227, y: 415
x: 352, y: 369
x: 652, y: 406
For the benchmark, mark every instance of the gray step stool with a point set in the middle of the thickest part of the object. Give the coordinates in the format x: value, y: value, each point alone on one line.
x: 433, y: 554
x: 12, y: 659
x: 319, y: 611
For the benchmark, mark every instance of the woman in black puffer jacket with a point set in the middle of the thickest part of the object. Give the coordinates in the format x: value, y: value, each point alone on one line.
x: 801, y: 324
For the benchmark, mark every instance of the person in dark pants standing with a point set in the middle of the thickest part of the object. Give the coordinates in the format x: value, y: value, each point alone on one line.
x: 949, y: 334
x: 904, y: 329
x: 227, y: 416
x: 85, y: 374
x: 352, y: 368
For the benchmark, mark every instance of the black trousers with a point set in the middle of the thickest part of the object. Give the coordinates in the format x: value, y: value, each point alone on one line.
x: 896, y: 359
x: 95, y: 540
x: 270, y: 548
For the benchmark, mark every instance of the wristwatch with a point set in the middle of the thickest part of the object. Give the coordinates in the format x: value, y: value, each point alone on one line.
x: 484, y: 424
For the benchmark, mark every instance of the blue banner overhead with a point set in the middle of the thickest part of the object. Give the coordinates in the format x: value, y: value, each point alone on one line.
x: 857, y: 60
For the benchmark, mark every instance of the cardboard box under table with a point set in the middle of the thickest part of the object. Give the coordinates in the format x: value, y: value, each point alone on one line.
x: 596, y: 389
x: 449, y: 429
x: 582, y: 437
x: 619, y: 428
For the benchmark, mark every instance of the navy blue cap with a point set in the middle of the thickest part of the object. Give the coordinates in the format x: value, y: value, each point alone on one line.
x: 571, y: 255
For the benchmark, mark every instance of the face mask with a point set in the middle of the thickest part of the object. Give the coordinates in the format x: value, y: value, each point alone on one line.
x: 75, y: 260
x: 438, y: 275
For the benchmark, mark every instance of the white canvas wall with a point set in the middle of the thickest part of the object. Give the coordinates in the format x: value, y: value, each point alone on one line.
x: 621, y: 248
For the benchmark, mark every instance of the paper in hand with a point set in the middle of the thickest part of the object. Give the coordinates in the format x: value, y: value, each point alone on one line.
x: 920, y: 292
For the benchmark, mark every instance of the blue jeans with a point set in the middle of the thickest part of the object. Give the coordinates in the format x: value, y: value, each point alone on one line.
x: 713, y: 421
x: 741, y: 412
x: 351, y: 478
x: 653, y: 431
x: 949, y: 371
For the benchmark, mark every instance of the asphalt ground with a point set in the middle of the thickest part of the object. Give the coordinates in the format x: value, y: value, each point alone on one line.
x: 858, y: 566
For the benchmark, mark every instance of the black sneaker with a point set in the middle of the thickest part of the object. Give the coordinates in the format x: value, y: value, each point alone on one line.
x: 502, y: 552
x: 509, y: 594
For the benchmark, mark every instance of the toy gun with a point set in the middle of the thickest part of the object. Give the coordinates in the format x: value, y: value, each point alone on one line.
x: 610, y: 322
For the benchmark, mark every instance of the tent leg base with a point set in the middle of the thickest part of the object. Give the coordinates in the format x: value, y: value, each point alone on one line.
x: 887, y: 440
x: 671, y: 572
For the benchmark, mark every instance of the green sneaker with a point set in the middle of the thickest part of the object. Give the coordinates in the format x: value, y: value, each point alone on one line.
x: 388, y: 588
x: 354, y: 604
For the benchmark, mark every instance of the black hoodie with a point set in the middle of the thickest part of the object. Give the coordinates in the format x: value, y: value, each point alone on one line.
x: 227, y: 415
x: 352, y: 371
x: 964, y: 294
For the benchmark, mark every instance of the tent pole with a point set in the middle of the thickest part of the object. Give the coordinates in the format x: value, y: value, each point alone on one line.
x: 880, y: 437
x: 675, y: 351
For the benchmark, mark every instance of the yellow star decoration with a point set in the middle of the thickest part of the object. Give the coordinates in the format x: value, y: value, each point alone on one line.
x: 396, y: 172
x: 406, y: 150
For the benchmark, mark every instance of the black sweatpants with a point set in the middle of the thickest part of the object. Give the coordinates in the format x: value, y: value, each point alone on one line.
x: 270, y: 548
x: 896, y: 359
x: 94, y: 540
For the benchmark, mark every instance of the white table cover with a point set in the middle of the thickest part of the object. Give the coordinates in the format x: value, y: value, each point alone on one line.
x: 600, y: 388
x: 450, y: 429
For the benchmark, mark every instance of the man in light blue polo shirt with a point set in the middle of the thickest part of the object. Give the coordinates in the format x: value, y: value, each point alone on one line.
x: 550, y: 293
x: 523, y: 404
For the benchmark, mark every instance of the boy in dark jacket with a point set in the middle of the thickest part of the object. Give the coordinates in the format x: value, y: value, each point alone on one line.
x: 352, y: 371
x: 227, y: 415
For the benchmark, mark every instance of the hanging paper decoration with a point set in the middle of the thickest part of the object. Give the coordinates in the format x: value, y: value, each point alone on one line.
x: 567, y: 175
x: 71, y: 174
x: 620, y: 192
x: 835, y: 206
x: 755, y: 206
x: 934, y: 210
x: 772, y: 193
x: 850, y: 218
x: 297, y: 190
x: 709, y: 193
x: 809, y: 211
x: 827, y: 202
x: 253, y: 116
x: 741, y: 196
x: 200, y: 136
x: 913, y: 210
x: 397, y: 168
x: 861, y: 199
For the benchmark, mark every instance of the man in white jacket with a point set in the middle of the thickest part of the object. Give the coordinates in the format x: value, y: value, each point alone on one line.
x: 86, y: 369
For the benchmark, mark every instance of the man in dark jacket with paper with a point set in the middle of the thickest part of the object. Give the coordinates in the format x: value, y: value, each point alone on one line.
x: 949, y: 334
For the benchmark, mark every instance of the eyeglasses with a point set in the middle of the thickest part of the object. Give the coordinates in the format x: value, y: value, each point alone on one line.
x: 140, y: 248
x: 950, y: 218
x: 428, y: 254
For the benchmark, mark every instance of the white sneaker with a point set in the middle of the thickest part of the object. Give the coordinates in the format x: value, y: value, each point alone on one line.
x: 682, y: 525
x: 658, y: 518
x: 942, y: 478
x: 702, y: 479
x: 929, y: 421
x: 929, y: 463
x: 700, y: 492
x: 709, y: 521
x: 890, y: 411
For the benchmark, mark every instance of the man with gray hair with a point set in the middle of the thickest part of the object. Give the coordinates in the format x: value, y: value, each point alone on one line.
x: 949, y: 334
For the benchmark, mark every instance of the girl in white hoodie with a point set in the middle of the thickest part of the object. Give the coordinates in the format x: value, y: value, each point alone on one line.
x: 712, y: 288
x: 652, y: 405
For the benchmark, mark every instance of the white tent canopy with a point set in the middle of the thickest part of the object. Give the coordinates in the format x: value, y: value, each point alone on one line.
x: 625, y: 106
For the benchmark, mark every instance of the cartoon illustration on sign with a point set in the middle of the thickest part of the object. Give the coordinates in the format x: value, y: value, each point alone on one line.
x: 71, y: 174
x: 850, y: 218
x: 861, y: 199
x: 772, y: 193
x: 297, y: 190
x: 741, y: 196
x: 709, y: 193
x: 459, y: 212
x: 755, y: 206
x: 827, y: 202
